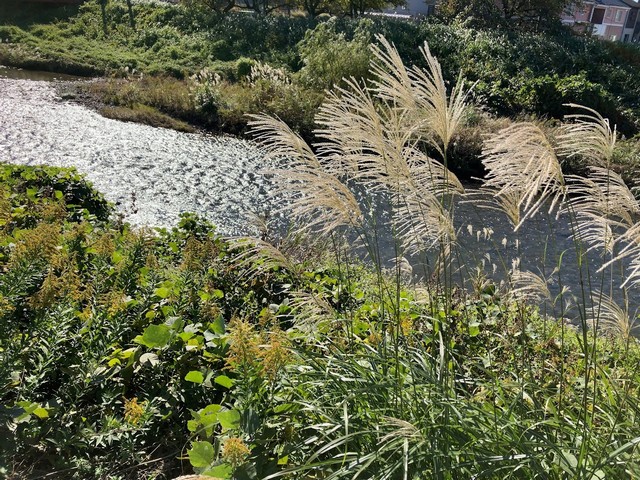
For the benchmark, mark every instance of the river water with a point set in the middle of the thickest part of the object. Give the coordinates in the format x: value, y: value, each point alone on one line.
x: 151, y: 174
x: 154, y: 174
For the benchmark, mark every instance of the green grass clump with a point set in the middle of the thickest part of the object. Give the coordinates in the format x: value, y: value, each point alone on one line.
x: 147, y: 115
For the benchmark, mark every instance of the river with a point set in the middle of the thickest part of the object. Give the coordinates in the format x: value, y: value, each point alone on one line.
x: 154, y: 174
x: 151, y: 174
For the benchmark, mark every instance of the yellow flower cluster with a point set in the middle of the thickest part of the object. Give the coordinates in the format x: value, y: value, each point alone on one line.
x: 133, y: 411
x: 244, y: 349
x: 235, y: 452
x: 197, y: 253
x: 275, y: 355
x: 267, y: 353
x: 6, y: 306
x: 38, y: 243
x: 62, y: 280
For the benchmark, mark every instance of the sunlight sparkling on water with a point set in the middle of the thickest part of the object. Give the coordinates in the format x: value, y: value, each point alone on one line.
x: 151, y: 174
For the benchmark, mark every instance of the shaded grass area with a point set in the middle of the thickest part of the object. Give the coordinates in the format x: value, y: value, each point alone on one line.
x: 147, y: 115
x: 228, y: 111
x: 169, y: 39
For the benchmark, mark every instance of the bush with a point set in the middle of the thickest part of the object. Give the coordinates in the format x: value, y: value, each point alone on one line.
x: 44, y: 185
x: 328, y: 56
x: 93, y: 381
x: 547, y: 95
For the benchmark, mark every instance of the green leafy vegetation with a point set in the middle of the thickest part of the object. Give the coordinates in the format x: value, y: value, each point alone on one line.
x: 133, y: 353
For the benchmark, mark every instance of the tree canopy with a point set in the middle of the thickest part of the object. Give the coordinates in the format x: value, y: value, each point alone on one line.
x: 530, y: 14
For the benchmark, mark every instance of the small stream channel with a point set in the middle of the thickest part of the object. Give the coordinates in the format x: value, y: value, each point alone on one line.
x: 154, y: 174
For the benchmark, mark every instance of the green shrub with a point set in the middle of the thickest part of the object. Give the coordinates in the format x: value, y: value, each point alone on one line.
x: 52, y: 184
x: 110, y: 338
x: 11, y: 34
x: 328, y: 56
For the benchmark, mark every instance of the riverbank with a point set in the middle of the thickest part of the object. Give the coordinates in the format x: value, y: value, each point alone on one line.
x: 516, y: 73
x: 139, y: 110
x: 171, y: 103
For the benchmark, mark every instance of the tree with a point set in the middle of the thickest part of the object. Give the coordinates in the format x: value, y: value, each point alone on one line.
x: 534, y: 13
x: 220, y: 6
x: 529, y: 14
x: 315, y: 7
x: 103, y: 10
x: 132, y: 20
x: 482, y: 12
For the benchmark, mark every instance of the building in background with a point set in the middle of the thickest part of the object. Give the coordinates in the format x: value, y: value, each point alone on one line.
x: 412, y: 9
x: 613, y: 20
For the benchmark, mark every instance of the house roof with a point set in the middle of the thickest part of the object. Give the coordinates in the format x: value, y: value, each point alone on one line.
x: 631, y: 3
x: 613, y: 3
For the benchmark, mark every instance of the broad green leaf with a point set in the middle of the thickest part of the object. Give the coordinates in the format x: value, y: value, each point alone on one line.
x: 162, y: 292
x: 223, y: 471
x: 205, y: 419
x: 217, y: 293
x: 194, y: 376
x: 218, y: 325
x: 128, y: 352
x: 185, y: 336
x: 224, y: 381
x: 210, y: 409
x: 474, y: 329
x: 154, y: 336
x: 201, y: 454
x: 229, y: 419
x: 31, y: 408
x: 41, y: 412
x: 193, y: 425
x: 117, y: 257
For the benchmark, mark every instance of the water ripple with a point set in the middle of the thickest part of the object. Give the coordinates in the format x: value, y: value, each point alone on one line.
x: 151, y: 174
